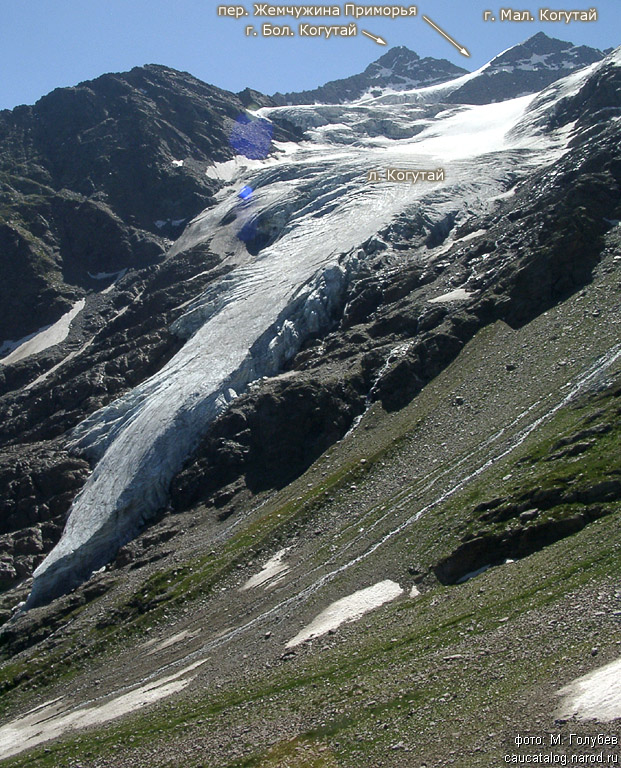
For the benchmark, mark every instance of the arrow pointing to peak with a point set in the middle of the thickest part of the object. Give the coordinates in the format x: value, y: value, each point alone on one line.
x: 459, y: 46
x: 375, y: 38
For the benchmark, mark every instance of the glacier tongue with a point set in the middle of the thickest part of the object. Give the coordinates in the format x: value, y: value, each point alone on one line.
x: 320, y: 208
x: 146, y: 436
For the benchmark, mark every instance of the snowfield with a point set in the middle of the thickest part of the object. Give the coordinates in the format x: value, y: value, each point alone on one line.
x: 51, y: 720
x: 318, y: 209
x: 43, y: 339
x: 273, y: 570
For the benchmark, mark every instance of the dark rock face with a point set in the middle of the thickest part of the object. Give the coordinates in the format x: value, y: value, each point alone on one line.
x: 399, y: 69
x: 525, y: 68
x: 253, y: 99
x: 530, y: 535
x: 269, y: 438
x: 98, y: 178
x: 39, y: 483
x: 597, y: 99
x: 126, y: 347
x: 562, y: 498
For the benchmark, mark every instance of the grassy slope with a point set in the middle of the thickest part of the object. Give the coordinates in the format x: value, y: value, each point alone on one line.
x: 508, y: 627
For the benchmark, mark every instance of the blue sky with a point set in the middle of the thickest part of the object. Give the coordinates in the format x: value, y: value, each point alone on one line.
x: 45, y: 44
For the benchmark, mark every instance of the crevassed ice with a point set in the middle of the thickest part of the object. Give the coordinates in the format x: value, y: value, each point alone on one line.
x: 258, y: 315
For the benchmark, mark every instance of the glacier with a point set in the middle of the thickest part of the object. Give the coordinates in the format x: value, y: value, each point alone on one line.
x: 319, y: 209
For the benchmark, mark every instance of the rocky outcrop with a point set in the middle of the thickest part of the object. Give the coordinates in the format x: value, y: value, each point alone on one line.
x: 268, y: 438
x: 563, y: 497
x: 99, y: 177
x: 397, y: 70
x: 39, y: 483
x: 529, y: 535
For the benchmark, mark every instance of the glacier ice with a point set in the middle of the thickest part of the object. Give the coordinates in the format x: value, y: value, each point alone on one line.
x: 319, y: 208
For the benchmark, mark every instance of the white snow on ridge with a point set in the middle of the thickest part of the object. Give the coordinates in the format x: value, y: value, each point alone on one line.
x: 433, y: 94
x: 320, y: 208
x: 43, y: 339
x: 229, y: 170
x: 428, y: 94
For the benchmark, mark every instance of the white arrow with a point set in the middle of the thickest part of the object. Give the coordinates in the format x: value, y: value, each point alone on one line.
x: 375, y: 38
x: 459, y: 46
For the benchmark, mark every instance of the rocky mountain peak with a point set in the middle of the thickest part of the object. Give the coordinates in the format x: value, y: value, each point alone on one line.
x: 398, y: 57
x: 525, y: 68
x: 399, y: 69
x: 543, y: 52
x: 98, y: 177
x: 541, y: 43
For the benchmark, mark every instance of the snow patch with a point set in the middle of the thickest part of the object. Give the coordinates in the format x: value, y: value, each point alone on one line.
x: 596, y: 696
x: 471, y: 236
x: 450, y: 243
x: 503, y: 195
x: 168, y: 642
x: 104, y: 275
x: 229, y: 170
x: 43, y: 339
x: 59, y: 364
x: 348, y: 609
x: 269, y: 572
x: 459, y: 294
x: 120, y: 275
x: 51, y: 721
x: 473, y: 574
x: 174, y: 222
